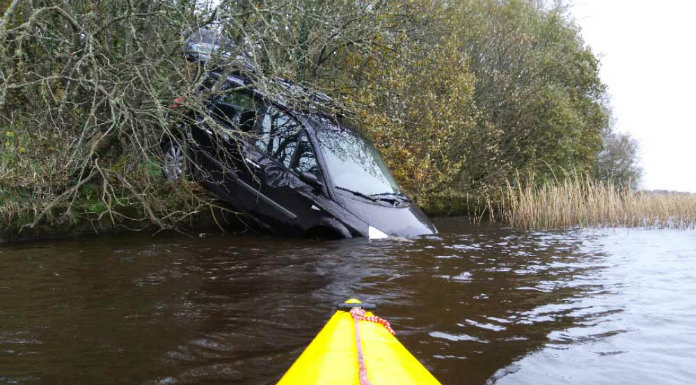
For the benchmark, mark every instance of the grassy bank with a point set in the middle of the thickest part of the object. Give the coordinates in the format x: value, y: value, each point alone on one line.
x: 583, y: 202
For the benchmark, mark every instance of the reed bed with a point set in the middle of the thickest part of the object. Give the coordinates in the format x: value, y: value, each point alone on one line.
x: 582, y: 202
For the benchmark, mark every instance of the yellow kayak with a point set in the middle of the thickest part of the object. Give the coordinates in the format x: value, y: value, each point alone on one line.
x: 333, y: 357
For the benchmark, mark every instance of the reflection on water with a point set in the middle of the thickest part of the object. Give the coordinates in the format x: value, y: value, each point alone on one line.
x: 475, y: 305
x: 636, y: 326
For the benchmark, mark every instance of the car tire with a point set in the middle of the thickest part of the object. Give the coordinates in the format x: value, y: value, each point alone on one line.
x: 174, y: 159
x: 329, y: 229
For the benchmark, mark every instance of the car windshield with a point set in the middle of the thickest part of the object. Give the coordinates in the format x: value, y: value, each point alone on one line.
x: 353, y: 163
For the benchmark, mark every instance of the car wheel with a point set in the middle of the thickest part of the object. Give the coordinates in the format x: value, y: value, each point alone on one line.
x: 337, y: 231
x: 173, y: 160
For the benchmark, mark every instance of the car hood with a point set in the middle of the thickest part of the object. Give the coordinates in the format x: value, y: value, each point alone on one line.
x: 403, y: 221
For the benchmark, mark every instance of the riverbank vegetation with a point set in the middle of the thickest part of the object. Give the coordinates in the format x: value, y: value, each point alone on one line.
x: 460, y: 97
x: 576, y: 201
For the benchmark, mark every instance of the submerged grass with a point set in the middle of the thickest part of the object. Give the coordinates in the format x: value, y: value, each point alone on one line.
x: 577, y: 201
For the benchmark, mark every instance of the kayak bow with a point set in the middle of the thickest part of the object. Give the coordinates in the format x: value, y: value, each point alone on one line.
x: 334, y: 356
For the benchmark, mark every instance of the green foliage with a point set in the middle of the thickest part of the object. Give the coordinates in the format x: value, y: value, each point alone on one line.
x: 84, y: 91
x: 537, y: 89
x: 414, y: 109
x: 468, y: 94
x: 617, y: 162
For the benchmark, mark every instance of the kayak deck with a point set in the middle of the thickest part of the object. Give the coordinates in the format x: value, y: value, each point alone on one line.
x: 331, y: 358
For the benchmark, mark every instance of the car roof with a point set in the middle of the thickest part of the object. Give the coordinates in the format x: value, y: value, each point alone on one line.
x: 294, y: 98
x: 205, y: 44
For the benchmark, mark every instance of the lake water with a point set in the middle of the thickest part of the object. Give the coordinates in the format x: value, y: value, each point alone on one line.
x: 476, y: 304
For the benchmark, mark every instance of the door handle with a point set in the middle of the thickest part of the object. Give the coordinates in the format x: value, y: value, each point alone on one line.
x: 252, y: 163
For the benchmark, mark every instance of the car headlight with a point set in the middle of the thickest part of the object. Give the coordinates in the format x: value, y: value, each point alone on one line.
x: 374, y: 233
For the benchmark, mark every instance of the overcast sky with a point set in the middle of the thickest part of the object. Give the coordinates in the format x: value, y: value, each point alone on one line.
x: 648, y: 56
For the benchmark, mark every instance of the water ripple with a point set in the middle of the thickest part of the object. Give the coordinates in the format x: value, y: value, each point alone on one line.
x: 474, y: 304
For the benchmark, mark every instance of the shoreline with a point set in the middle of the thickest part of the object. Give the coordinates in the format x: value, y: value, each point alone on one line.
x: 203, y: 222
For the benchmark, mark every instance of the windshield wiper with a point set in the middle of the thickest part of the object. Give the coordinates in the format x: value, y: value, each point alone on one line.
x: 357, y: 193
x: 392, y: 197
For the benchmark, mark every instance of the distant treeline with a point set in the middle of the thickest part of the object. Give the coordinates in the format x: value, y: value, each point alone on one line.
x: 461, y: 97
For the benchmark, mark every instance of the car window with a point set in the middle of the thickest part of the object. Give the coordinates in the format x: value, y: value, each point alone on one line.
x: 239, y: 99
x: 304, y: 158
x: 286, y: 150
x: 277, y: 135
x: 352, y: 162
x: 238, y: 109
x: 282, y: 138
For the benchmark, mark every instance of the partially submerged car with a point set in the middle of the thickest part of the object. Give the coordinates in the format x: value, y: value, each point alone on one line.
x: 296, y: 172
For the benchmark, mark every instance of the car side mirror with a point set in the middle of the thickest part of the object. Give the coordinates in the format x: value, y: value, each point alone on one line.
x: 311, y: 179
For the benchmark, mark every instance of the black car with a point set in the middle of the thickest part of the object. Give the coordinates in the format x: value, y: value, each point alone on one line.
x: 296, y: 172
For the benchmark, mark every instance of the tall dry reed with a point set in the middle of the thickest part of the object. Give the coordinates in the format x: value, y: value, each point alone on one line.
x: 579, y: 201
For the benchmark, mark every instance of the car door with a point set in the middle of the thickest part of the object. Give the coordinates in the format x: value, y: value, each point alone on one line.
x: 282, y: 153
x: 224, y: 134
